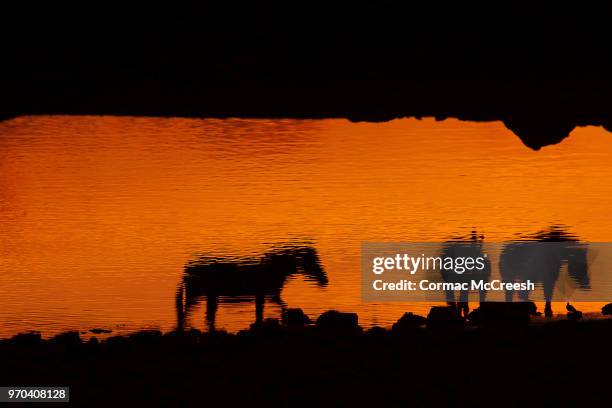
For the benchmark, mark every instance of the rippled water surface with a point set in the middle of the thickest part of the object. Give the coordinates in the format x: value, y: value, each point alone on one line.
x: 99, y: 216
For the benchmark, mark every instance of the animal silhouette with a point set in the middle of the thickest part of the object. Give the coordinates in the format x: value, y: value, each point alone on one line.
x: 542, y: 263
x: 465, y: 248
x: 244, y: 279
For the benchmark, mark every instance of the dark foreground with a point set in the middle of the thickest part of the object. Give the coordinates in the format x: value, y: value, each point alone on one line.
x: 561, y: 363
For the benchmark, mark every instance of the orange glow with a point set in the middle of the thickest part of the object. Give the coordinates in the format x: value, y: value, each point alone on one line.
x: 100, y: 214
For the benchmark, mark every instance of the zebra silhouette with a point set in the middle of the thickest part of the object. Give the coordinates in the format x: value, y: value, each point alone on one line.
x: 471, y: 247
x: 530, y: 260
x: 244, y: 279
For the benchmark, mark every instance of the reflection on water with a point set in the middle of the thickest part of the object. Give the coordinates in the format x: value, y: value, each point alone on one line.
x: 248, y: 279
x: 542, y: 264
x: 465, y: 248
x: 100, y: 215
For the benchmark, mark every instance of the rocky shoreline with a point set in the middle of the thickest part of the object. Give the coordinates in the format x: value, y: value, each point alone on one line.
x: 434, y: 360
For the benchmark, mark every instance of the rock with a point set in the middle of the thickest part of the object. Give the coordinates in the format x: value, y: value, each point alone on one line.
x: 244, y: 333
x: 607, y: 309
x: 408, y: 323
x: 295, y: 319
x: 267, y: 327
x: 505, y: 313
x: 572, y: 312
x: 117, y: 341
x: 475, y: 316
x: 146, y: 336
x: 443, y: 316
x: 376, y: 331
x: 189, y: 336
x: 217, y: 333
x: 335, y: 321
x: 533, y: 308
x: 26, y: 339
x: 71, y: 338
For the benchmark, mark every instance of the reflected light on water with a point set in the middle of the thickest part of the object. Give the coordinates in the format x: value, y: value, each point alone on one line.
x: 100, y: 215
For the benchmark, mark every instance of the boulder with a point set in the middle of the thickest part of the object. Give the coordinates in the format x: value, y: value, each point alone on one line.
x: 26, y: 339
x: 295, y: 319
x: 268, y: 327
x: 69, y: 339
x: 376, y: 331
x: 475, y: 316
x: 408, y: 323
x: 117, y: 341
x: 335, y: 321
x: 572, y: 312
x: 146, y: 337
x: 179, y: 336
x: 504, y: 313
x: 440, y: 316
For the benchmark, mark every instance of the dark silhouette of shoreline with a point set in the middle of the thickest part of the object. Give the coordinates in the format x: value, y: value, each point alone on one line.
x: 421, y: 361
x: 540, y: 113
x: 370, y: 61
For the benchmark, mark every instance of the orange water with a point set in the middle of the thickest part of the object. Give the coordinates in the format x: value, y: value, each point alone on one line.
x: 99, y: 215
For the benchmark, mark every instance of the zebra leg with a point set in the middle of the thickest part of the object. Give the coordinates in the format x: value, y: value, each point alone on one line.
x: 509, y: 293
x: 276, y: 298
x: 548, y: 292
x: 523, y: 295
x: 212, y: 303
x: 463, y: 303
x: 483, y: 296
x: 180, y: 309
x: 548, y: 309
x: 450, y: 298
